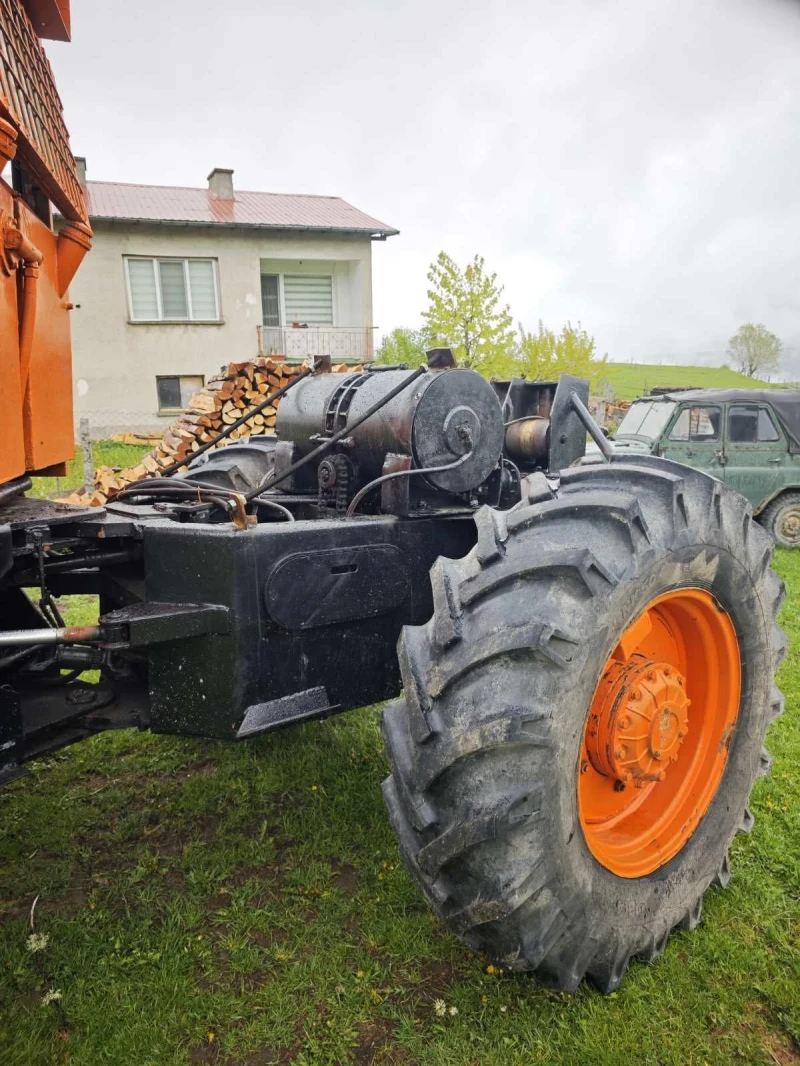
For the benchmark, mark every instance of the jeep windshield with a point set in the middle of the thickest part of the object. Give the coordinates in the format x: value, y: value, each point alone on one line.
x: 646, y: 419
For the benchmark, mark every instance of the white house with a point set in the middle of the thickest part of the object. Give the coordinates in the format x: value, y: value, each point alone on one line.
x: 180, y: 281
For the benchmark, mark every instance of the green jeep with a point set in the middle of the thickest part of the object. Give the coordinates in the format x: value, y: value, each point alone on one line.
x: 748, y: 438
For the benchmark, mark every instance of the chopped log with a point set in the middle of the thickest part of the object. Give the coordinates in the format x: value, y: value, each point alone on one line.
x: 203, y: 403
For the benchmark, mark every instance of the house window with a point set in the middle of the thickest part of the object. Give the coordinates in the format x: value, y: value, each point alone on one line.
x: 297, y: 299
x: 174, y: 393
x: 172, y: 290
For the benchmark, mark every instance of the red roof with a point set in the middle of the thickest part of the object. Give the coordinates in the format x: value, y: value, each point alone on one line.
x: 170, y: 203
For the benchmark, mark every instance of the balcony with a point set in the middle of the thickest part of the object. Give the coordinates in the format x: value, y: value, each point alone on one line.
x: 344, y: 344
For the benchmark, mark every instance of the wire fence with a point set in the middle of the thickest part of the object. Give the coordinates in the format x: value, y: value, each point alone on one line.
x: 107, y: 423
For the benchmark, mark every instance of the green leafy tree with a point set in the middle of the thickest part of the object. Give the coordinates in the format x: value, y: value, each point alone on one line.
x: 754, y: 350
x: 403, y: 345
x: 544, y: 355
x: 465, y: 313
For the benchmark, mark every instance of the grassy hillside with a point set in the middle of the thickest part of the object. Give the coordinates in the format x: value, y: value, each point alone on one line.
x: 629, y: 380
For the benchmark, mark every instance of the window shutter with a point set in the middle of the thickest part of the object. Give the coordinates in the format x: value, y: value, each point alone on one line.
x: 173, y: 288
x: 201, y: 282
x: 308, y: 300
x: 142, y: 280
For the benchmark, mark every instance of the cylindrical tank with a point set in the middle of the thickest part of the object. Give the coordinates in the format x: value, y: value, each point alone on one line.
x: 528, y: 439
x: 439, y: 418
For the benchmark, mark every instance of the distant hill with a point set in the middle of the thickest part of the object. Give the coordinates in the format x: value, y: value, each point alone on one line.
x: 629, y: 380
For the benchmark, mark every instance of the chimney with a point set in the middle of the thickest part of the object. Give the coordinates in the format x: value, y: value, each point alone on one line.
x: 80, y: 166
x: 220, y: 183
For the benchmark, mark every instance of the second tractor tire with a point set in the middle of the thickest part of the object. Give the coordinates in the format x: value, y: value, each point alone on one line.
x: 781, y: 519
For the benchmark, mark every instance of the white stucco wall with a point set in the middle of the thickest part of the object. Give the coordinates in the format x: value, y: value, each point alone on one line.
x: 116, y: 361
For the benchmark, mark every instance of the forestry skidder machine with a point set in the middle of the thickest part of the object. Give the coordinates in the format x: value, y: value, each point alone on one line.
x: 586, y: 652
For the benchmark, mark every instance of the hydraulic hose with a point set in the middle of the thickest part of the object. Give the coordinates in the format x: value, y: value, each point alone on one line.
x: 359, y: 496
x: 260, y: 501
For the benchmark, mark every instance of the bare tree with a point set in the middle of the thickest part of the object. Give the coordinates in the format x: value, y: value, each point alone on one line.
x: 754, y: 350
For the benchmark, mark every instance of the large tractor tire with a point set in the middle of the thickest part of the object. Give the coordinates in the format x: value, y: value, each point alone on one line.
x: 584, y: 716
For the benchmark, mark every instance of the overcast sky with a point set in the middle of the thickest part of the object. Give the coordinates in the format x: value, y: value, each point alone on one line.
x: 632, y: 164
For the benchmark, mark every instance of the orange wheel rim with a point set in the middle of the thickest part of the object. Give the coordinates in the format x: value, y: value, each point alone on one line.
x: 658, y: 733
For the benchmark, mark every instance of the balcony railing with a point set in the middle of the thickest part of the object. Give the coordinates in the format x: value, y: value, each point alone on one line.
x: 344, y: 344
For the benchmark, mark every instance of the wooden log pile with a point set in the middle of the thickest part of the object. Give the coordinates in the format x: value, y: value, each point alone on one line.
x: 237, y: 389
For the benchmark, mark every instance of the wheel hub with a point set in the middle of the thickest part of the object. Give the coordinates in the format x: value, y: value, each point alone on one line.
x: 790, y: 525
x: 638, y: 721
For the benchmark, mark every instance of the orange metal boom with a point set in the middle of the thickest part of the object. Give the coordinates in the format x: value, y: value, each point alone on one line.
x: 36, y: 264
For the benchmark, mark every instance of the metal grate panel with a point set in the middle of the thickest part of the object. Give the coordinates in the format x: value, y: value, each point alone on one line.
x: 30, y: 101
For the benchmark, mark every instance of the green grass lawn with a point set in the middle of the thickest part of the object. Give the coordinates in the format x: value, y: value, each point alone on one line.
x: 104, y: 453
x: 210, y: 903
x: 629, y: 380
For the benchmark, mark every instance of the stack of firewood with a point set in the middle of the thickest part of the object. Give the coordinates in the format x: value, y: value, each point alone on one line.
x: 237, y: 389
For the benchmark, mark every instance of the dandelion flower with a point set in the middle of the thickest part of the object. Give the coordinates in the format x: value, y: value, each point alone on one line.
x: 453, y: 1011
x: 212, y: 1037
x: 503, y: 1010
x: 439, y: 1008
x: 38, y: 941
x: 51, y: 996
x: 315, y: 788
